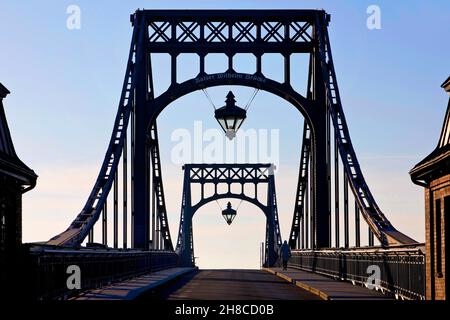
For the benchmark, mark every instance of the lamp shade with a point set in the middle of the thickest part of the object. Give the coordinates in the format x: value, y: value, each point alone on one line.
x: 229, y: 214
x: 230, y: 116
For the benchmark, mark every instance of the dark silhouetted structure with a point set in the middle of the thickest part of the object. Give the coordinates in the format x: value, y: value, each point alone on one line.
x: 232, y: 33
x: 246, y: 175
x: 130, y: 183
x: 15, y: 179
x: 433, y: 173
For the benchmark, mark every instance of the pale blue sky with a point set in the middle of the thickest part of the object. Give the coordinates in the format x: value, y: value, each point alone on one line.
x: 66, y: 84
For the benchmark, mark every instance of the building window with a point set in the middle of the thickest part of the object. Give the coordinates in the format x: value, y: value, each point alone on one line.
x: 438, y: 214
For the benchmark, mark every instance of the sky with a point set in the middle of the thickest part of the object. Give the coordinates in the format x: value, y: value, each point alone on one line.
x: 65, y: 86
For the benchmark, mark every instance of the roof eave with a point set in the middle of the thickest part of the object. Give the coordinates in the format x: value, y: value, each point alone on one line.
x: 435, y: 164
x: 446, y: 85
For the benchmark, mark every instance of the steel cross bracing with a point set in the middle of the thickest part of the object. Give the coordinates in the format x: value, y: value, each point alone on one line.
x: 210, y: 175
x: 210, y: 31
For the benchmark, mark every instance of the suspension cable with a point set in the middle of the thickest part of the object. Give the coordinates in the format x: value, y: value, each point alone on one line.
x: 236, y: 208
x: 239, y: 204
x: 219, y: 205
x: 209, y: 98
x: 252, y: 97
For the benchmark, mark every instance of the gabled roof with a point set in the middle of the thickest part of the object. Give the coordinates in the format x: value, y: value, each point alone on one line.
x: 437, y: 163
x: 10, y: 164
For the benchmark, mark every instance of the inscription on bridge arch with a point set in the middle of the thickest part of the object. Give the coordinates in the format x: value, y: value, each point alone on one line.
x: 230, y: 76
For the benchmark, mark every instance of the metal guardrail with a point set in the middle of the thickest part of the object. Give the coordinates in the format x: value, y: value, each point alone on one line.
x: 402, y: 268
x: 98, y: 268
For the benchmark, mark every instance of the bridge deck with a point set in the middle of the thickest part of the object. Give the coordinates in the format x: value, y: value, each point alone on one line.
x: 327, y: 288
x: 230, y: 285
x: 233, y: 285
x: 131, y: 289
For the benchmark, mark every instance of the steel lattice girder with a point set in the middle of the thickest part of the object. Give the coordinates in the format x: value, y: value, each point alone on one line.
x: 230, y: 31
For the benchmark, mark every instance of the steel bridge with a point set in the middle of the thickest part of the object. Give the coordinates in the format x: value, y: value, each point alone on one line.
x: 333, y: 201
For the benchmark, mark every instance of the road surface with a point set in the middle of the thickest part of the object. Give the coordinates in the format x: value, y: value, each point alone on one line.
x: 230, y: 285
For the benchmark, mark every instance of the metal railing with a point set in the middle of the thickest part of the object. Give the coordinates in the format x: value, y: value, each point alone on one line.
x: 99, y: 267
x: 402, y: 268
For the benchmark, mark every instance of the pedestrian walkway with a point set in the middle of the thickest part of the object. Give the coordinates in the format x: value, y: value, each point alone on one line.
x: 327, y: 288
x: 132, y: 288
x: 229, y: 284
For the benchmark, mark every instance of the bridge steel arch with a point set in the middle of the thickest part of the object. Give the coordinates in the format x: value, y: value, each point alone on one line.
x: 315, y: 118
x: 229, y: 174
x: 230, y: 32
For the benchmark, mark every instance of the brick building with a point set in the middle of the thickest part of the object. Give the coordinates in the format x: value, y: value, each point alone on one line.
x: 15, y: 179
x: 433, y: 173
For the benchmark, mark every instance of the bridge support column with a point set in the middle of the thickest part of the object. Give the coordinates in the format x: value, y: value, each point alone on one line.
x: 320, y: 197
x: 320, y: 169
x: 271, y: 252
x: 186, y: 254
x: 272, y: 231
x: 185, y: 247
x: 140, y: 179
x: 141, y: 203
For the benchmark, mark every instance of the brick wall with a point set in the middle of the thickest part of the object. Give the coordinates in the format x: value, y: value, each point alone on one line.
x: 436, y: 268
